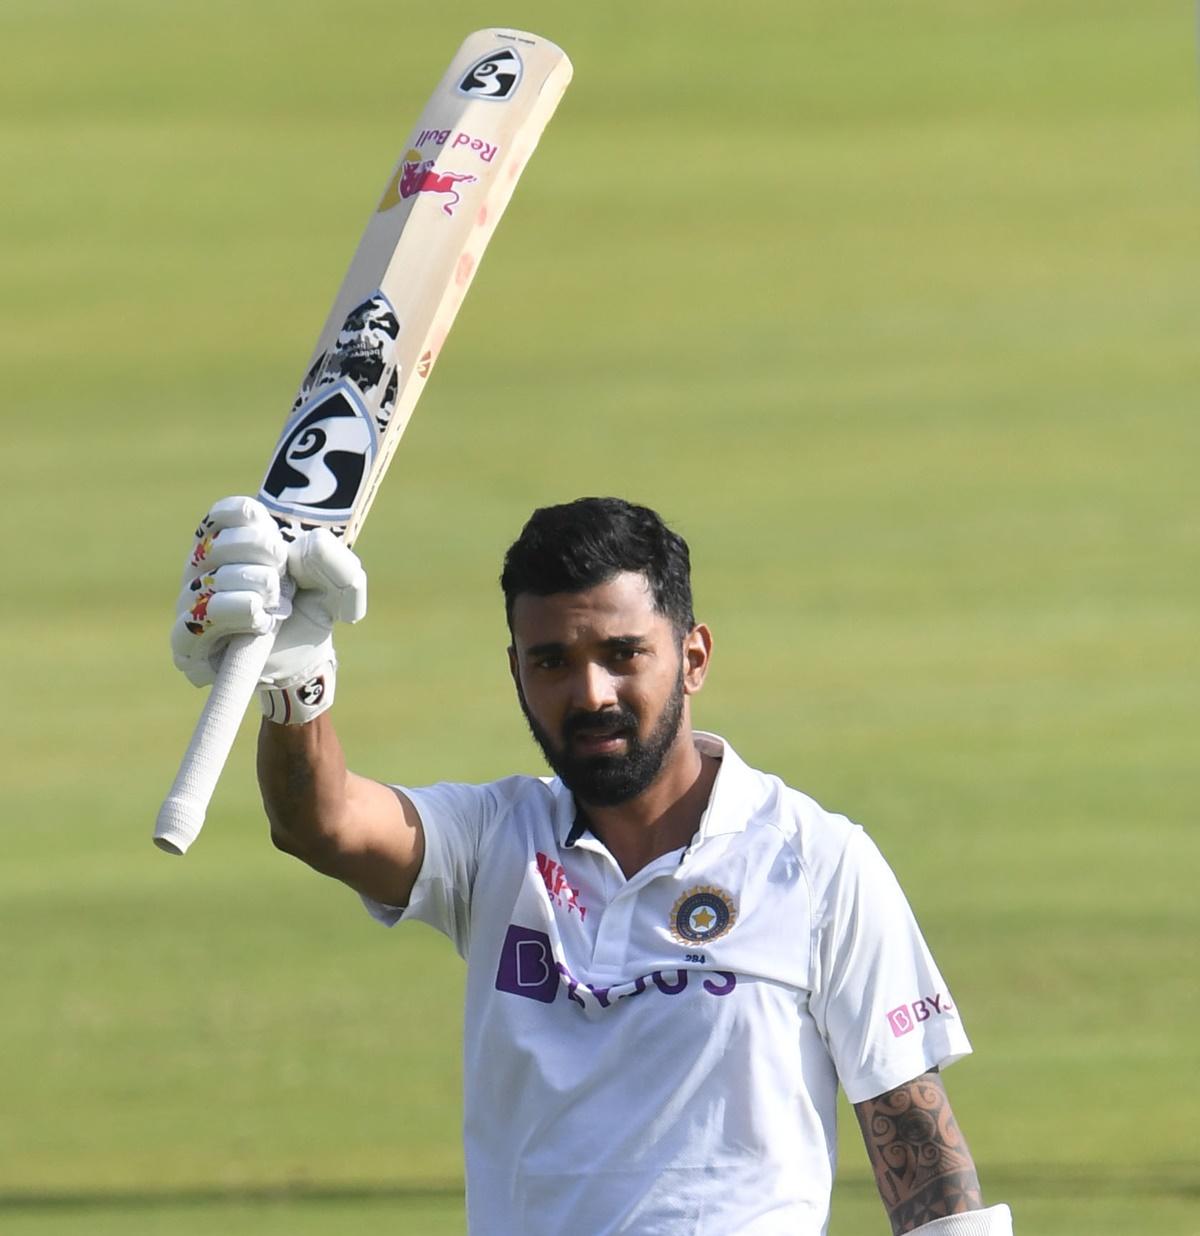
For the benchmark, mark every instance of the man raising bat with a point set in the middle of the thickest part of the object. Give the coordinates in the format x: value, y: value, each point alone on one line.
x: 673, y: 959
x: 418, y: 254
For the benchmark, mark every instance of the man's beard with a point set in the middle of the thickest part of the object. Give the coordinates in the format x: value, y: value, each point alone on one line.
x: 608, y: 780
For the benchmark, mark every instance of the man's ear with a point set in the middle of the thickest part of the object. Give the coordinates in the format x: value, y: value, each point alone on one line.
x: 697, y: 654
x: 512, y: 665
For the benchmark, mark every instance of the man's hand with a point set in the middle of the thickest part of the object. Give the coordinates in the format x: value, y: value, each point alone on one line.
x: 242, y: 578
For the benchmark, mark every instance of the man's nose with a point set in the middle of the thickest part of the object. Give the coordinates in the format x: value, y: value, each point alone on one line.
x: 593, y: 689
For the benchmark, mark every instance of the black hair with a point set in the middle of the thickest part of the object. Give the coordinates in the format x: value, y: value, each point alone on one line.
x: 578, y: 545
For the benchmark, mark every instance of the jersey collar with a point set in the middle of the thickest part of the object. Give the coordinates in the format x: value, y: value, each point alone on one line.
x: 726, y: 811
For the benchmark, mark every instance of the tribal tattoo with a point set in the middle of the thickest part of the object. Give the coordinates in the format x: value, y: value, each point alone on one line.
x: 923, y: 1168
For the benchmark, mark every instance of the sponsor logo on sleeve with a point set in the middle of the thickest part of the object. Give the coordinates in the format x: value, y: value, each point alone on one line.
x: 905, y: 1018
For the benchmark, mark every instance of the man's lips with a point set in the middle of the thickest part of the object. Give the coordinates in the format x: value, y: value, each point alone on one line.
x: 598, y: 739
x: 598, y: 743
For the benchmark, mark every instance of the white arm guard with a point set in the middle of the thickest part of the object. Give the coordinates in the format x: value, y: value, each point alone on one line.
x: 994, y: 1221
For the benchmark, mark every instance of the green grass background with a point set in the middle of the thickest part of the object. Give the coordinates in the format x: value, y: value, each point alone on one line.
x: 890, y: 308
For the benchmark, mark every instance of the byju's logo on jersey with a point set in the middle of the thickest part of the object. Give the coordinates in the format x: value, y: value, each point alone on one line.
x: 904, y: 1019
x: 702, y: 914
x: 494, y: 76
x: 529, y: 968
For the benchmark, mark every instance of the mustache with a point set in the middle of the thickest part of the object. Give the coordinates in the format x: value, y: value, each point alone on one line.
x: 609, y: 722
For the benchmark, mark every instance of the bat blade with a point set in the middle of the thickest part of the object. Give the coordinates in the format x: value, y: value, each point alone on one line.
x: 409, y: 275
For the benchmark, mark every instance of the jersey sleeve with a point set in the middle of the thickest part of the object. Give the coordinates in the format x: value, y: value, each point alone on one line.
x: 882, y: 1006
x: 453, y: 817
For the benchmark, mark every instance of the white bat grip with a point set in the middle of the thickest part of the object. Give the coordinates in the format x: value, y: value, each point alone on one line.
x: 181, y: 816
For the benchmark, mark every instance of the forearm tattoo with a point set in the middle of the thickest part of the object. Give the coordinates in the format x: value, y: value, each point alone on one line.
x: 923, y: 1168
x: 298, y: 780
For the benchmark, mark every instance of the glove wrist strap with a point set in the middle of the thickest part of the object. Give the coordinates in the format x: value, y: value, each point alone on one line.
x: 300, y: 698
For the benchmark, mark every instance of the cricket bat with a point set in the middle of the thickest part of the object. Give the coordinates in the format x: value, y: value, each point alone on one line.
x: 384, y: 333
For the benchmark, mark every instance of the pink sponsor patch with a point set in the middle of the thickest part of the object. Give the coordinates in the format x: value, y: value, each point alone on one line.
x: 901, y: 1021
x: 904, y: 1019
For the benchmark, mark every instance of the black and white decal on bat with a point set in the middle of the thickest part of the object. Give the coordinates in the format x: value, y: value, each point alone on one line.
x: 494, y: 76
x: 323, y: 457
x: 365, y: 347
x: 345, y: 401
x: 363, y: 353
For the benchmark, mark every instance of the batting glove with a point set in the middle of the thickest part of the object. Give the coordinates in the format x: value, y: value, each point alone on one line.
x: 242, y: 578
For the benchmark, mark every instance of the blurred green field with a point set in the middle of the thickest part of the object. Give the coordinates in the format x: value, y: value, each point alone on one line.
x: 891, y: 309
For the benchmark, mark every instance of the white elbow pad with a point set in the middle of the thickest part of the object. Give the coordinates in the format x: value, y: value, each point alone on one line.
x: 994, y: 1221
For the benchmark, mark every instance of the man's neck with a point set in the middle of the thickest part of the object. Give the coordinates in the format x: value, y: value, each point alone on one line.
x: 662, y: 818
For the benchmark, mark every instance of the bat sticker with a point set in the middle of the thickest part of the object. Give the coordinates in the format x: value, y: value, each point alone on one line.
x: 332, y: 437
x: 365, y: 346
x: 493, y: 77
x: 364, y: 352
x: 323, y: 458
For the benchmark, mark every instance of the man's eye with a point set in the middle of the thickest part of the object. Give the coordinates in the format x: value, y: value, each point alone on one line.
x: 548, y: 663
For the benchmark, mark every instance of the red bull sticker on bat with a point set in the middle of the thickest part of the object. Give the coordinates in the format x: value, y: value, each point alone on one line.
x: 459, y: 141
x: 417, y: 174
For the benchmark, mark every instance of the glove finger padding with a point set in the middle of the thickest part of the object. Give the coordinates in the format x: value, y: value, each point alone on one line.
x: 231, y: 586
x: 234, y: 584
x: 237, y: 529
x: 327, y: 572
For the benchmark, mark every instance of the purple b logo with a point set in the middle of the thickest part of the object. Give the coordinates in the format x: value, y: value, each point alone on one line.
x: 527, y: 966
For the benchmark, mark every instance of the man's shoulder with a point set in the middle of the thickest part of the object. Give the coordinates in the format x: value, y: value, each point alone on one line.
x: 768, y: 803
x: 505, y: 793
x: 816, y: 834
x: 521, y: 792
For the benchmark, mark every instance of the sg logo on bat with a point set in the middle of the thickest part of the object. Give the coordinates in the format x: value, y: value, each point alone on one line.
x: 494, y: 76
x: 322, y: 459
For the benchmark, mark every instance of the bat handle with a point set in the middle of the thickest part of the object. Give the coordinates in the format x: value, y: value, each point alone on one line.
x: 181, y: 816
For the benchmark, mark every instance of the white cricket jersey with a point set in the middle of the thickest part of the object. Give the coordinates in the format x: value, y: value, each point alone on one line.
x: 661, y: 1055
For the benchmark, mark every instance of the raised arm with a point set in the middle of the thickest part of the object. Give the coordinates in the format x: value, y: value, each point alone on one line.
x: 923, y: 1168
x: 241, y: 577
x: 352, y: 828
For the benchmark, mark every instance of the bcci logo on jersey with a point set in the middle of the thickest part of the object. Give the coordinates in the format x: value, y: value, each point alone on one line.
x: 702, y: 914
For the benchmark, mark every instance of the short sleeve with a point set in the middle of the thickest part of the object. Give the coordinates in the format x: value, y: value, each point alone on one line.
x: 453, y: 817
x: 881, y: 1004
